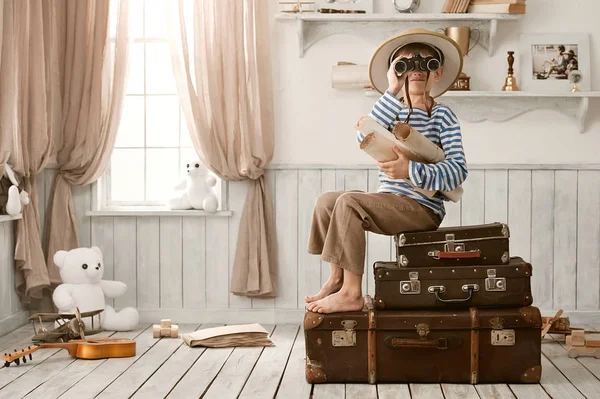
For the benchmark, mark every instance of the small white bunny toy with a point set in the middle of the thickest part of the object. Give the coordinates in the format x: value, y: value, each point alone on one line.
x: 11, y: 200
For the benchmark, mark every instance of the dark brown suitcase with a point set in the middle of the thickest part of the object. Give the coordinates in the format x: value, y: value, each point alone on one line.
x: 484, y: 244
x: 393, y: 346
x: 452, y: 287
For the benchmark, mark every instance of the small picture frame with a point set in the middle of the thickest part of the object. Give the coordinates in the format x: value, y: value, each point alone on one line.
x: 547, y: 60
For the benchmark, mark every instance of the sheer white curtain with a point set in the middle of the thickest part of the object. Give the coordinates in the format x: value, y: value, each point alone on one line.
x: 222, y: 63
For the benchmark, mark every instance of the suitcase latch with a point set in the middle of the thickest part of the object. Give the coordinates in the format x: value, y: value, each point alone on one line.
x: 503, y: 337
x: 452, y: 246
x: 347, y: 337
x: 412, y: 286
x: 493, y: 283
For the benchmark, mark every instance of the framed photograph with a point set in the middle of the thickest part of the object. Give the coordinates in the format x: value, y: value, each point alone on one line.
x: 547, y: 60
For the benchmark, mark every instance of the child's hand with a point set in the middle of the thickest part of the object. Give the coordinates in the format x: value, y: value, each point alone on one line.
x: 394, y: 84
x: 395, y: 169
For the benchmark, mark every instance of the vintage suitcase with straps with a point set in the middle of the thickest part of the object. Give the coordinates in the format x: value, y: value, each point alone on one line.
x: 452, y: 287
x: 443, y: 346
x: 484, y: 244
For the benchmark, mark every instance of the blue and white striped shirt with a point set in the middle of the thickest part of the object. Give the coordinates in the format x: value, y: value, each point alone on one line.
x: 443, y: 130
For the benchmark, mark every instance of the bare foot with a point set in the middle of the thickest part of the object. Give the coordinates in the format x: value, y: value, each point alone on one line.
x: 330, y: 286
x: 341, y: 301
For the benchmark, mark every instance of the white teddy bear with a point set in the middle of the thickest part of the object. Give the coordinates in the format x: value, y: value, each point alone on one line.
x: 81, y: 270
x: 195, y: 192
x: 11, y: 201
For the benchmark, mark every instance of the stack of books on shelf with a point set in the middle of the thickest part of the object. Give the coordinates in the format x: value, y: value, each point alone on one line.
x: 456, y: 6
x: 497, y: 6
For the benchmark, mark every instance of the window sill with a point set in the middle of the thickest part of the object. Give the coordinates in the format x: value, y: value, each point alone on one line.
x: 155, y: 211
x: 8, y: 218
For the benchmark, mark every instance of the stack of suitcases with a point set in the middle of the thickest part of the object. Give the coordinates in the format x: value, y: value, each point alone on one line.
x: 455, y: 307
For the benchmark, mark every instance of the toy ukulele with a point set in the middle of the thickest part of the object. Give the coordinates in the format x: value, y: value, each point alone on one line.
x: 96, y: 348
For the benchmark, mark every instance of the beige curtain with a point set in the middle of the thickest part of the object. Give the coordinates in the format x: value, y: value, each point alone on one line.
x: 30, y: 114
x: 221, y: 61
x: 6, y: 61
x: 6, y: 140
x: 93, y: 93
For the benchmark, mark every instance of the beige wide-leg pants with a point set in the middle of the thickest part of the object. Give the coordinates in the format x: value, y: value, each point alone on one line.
x: 341, y: 218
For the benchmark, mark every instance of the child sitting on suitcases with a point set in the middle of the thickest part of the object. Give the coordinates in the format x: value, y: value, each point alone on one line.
x: 410, y: 69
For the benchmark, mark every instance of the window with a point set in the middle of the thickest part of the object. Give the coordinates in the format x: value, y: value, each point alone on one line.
x: 153, y: 145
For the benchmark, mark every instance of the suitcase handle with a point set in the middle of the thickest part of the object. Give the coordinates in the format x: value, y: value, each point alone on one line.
x: 440, y: 289
x: 455, y: 254
x: 396, y: 342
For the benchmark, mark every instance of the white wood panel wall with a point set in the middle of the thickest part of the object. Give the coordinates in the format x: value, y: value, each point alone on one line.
x: 180, y: 267
x: 12, y: 315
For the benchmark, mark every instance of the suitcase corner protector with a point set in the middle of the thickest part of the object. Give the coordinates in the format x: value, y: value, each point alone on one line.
x: 312, y: 320
x: 532, y: 315
x: 314, y: 373
x: 505, y: 230
x: 532, y: 375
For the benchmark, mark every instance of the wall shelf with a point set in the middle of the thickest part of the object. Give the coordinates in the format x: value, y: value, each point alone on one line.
x: 500, y: 106
x: 313, y: 27
x: 8, y: 218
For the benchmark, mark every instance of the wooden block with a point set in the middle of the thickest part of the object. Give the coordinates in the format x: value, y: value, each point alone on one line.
x: 165, y: 323
x: 156, y: 331
x: 165, y: 332
x: 174, y: 331
x: 578, y: 338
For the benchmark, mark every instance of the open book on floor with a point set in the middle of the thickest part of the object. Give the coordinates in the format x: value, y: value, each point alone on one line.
x: 229, y: 336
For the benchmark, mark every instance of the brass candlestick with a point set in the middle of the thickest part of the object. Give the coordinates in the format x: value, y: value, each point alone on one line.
x: 510, y: 84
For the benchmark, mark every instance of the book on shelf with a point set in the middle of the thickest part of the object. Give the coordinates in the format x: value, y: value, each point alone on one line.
x: 229, y: 336
x: 456, y: 6
x: 480, y: 2
x: 498, y: 8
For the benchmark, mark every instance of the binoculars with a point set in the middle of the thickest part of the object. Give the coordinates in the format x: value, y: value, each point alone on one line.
x: 403, y: 64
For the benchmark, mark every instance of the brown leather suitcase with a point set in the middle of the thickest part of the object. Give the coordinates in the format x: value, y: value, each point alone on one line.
x: 484, y: 244
x: 452, y: 287
x: 393, y: 346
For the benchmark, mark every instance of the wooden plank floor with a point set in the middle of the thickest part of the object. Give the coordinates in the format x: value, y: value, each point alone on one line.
x: 168, y: 368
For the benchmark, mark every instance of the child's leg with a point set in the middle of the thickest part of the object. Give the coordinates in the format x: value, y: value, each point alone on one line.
x: 345, y: 241
x: 318, y: 233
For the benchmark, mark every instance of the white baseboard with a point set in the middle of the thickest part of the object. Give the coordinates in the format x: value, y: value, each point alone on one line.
x: 225, y: 316
x: 13, y: 322
x: 286, y: 316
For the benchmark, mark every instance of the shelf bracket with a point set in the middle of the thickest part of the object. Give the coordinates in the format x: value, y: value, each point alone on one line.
x: 582, y: 113
x: 300, y: 32
x: 492, y: 36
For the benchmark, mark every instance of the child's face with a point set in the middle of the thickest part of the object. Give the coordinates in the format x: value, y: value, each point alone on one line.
x: 417, y: 80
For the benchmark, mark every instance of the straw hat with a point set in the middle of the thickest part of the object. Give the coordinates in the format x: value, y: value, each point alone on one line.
x: 452, y: 58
